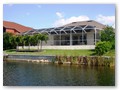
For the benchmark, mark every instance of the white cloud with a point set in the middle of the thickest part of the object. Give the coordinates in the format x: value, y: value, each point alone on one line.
x: 60, y: 15
x: 63, y: 21
x: 108, y: 20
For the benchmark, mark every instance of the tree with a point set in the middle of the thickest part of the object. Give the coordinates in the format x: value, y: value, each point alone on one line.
x: 8, y: 41
x: 43, y: 38
x: 107, y: 41
x: 31, y: 40
x: 11, y: 41
x: 24, y: 40
x: 108, y: 34
x: 40, y: 38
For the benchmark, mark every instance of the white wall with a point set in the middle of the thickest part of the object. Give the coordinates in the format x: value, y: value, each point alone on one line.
x: 90, y: 38
x: 70, y: 47
x: 63, y: 47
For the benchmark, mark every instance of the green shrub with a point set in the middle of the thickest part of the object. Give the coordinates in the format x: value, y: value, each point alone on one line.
x: 102, y: 47
x: 108, y: 34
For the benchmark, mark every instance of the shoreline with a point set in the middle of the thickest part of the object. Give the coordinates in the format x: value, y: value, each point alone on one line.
x: 62, y: 59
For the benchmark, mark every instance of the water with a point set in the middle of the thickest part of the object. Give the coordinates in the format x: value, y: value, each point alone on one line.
x: 37, y: 74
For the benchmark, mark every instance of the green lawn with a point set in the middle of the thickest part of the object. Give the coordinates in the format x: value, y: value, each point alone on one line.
x: 61, y: 52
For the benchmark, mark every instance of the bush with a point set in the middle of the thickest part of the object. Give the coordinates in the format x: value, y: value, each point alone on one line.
x: 108, y: 34
x: 113, y: 44
x: 102, y: 47
x: 8, y: 41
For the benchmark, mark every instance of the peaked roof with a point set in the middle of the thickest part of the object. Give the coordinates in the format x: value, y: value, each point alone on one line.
x: 75, y: 27
x: 89, y: 22
x: 18, y: 27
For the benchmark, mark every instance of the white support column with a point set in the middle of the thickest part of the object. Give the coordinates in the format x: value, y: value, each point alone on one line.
x: 71, y: 38
x: 78, y: 39
x: 82, y: 37
x: 60, y: 38
x: 95, y: 36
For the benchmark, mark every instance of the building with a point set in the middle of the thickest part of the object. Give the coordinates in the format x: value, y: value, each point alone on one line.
x: 76, y: 35
x: 14, y: 28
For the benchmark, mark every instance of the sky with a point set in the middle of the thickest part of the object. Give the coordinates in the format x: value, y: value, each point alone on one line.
x: 40, y: 16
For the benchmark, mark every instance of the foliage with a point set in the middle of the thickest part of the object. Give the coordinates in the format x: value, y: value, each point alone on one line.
x: 108, y: 34
x: 8, y: 40
x: 11, y: 41
x: 102, y: 47
x: 107, y: 41
x: 43, y: 38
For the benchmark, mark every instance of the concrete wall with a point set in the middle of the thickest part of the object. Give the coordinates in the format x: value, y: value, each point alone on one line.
x: 70, y: 47
x: 90, y: 38
x: 30, y: 57
x: 63, y: 47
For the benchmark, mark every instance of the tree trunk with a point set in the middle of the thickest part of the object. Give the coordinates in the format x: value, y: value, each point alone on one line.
x: 41, y: 46
x: 17, y: 47
x: 22, y: 46
x: 38, y: 46
x: 29, y: 46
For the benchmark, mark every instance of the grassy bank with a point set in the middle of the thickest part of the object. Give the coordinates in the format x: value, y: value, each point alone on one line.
x: 86, y: 60
x: 61, y: 52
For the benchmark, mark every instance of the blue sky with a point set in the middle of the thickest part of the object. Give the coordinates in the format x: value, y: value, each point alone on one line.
x: 51, y: 15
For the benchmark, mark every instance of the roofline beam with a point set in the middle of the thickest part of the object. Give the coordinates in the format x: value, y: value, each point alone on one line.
x: 72, y: 29
x: 27, y: 32
x: 64, y: 31
x: 82, y: 29
x: 45, y: 31
x: 54, y: 31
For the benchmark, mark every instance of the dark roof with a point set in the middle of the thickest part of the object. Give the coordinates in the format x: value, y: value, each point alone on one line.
x: 89, y: 22
x: 75, y: 27
x: 18, y: 27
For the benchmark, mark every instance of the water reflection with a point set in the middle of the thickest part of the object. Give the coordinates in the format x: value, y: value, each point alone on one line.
x: 33, y: 74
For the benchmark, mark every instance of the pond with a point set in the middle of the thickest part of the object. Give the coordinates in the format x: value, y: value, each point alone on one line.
x: 39, y: 74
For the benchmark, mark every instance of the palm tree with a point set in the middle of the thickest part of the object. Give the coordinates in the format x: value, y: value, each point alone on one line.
x: 31, y: 40
x: 17, y: 41
x: 43, y: 38
x: 39, y: 39
x: 25, y: 39
x: 34, y: 40
x: 12, y: 41
x: 21, y: 41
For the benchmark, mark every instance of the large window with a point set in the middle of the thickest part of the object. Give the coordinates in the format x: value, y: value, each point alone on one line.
x: 77, y: 39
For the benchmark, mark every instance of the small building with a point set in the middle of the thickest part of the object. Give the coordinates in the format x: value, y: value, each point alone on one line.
x: 14, y: 28
x: 76, y: 35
